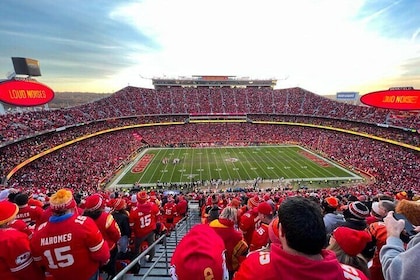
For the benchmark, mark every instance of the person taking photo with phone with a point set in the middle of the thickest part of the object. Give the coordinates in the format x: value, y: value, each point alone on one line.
x: 399, y: 261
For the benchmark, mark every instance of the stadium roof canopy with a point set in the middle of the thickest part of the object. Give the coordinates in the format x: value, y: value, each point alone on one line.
x: 212, y: 81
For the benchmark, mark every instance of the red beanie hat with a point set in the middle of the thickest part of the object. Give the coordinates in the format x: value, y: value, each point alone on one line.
x: 200, y: 255
x: 62, y: 200
x: 94, y: 202
x: 350, y: 240
x: 118, y: 204
x: 253, y: 202
x: 142, y: 197
x: 401, y: 195
x: 8, y: 211
x: 332, y: 201
x: 265, y: 208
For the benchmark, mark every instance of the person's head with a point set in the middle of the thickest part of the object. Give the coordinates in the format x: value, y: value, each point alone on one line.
x: 356, y: 210
x: 330, y: 204
x: 229, y: 213
x: 273, y: 231
x: 118, y: 204
x: 301, y: 225
x: 8, y: 212
x: 214, y: 199
x: 348, y: 245
x: 94, y: 202
x: 401, y: 195
x: 265, y: 212
x: 21, y: 199
x: 253, y: 202
x: 381, y: 208
x: 199, y: 255
x: 142, y: 197
x: 62, y: 202
x: 235, y: 203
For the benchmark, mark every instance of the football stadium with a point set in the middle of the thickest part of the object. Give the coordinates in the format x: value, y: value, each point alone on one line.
x: 208, y: 137
x: 210, y: 176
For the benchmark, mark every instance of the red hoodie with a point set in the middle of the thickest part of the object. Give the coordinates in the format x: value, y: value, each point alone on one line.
x: 277, y: 264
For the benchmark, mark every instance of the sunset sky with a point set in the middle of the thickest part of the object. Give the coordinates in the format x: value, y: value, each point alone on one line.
x: 324, y: 46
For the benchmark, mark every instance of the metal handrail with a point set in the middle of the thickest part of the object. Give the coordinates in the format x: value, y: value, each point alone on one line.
x: 178, y: 227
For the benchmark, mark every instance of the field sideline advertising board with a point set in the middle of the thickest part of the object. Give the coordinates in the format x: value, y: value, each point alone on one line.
x: 25, y: 93
x: 396, y: 98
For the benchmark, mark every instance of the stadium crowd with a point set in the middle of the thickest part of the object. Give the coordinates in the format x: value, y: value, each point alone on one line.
x: 362, y: 154
x: 132, y: 101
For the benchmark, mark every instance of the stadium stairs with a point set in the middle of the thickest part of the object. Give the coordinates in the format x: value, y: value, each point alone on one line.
x: 158, y: 267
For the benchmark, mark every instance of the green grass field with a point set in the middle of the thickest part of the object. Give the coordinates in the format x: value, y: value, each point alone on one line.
x: 270, y: 163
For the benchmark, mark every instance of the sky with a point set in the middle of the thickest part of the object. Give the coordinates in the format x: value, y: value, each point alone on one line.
x: 324, y: 46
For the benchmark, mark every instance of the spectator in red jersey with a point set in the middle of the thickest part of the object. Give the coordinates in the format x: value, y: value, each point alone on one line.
x: 301, y: 255
x: 348, y: 245
x: 21, y: 226
x: 181, y: 207
x: 16, y: 262
x: 169, y: 214
x: 31, y: 215
x: 200, y: 256
x: 250, y: 219
x: 69, y: 246
x: 143, y: 218
x: 236, y: 247
x: 94, y: 208
x: 260, y: 237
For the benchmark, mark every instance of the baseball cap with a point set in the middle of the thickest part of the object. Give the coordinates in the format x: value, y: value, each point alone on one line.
x: 265, y: 208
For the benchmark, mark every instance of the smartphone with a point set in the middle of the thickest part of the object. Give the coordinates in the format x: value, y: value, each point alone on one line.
x: 408, y: 231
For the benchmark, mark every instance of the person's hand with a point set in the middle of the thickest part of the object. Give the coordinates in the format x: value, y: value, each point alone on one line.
x: 417, y: 228
x: 393, y: 227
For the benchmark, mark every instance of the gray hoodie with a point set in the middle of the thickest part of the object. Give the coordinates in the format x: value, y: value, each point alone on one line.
x: 398, y: 263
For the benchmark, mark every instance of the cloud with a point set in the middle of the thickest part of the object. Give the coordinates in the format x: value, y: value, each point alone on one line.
x: 322, y: 45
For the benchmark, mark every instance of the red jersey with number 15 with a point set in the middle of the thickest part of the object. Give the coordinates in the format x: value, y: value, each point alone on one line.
x: 143, y: 218
x: 69, y: 248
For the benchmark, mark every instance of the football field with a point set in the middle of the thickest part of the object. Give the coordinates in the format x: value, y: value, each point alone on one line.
x: 239, y: 164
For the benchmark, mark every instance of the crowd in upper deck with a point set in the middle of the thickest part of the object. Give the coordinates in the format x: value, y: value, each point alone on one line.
x: 132, y: 101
